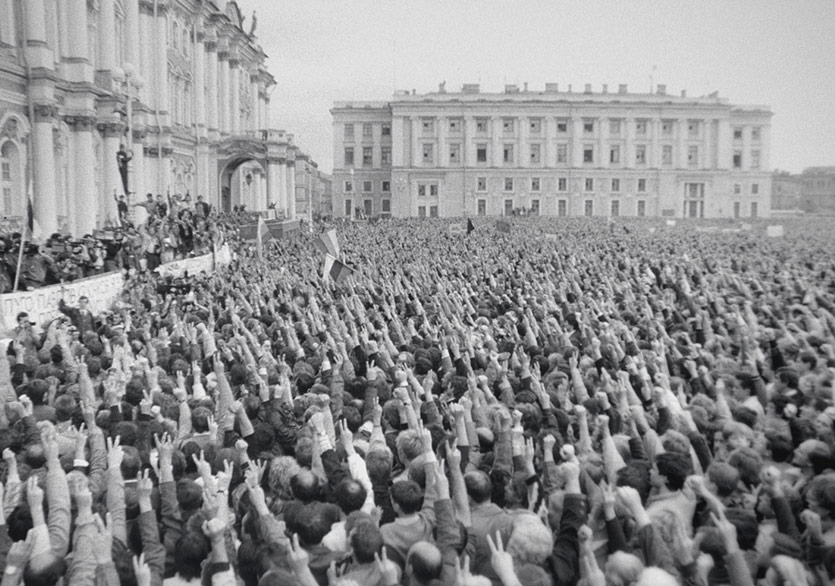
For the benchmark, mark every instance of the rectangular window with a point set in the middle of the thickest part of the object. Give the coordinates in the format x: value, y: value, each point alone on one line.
x: 535, y: 154
x: 535, y: 125
x: 755, y: 159
x: 481, y: 125
x: 348, y: 187
x: 349, y: 156
x: 481, y: 184
x: 737, y: 206
x: 367, y: 156
x: 535, y: 207
x: 755, y: 189
x: 455, y: 153
x: 454, y: 125
x: 737, y: 133
x: 694, y: 190
x: 427, y: 125
x: 508, y: 207
x: 588, y: 154
x: 433, y: 211
x: 481, y: 153
x: 588, y: 126
x: 428, y: 154
x: 642, y: 208
x: 508, y: 183
x: 562, y: 184
x: 349, y: 132
x: 667, y: 127
x: 562, y: 208
x: 7, y: 171
x: 507, y: 153
x: 421, y: 211
x: 755, y: 134
x: 693, y: 156
x: 482, y: 207
x: 615, y: 185
x: 507, y: 125
x: 562, y: 126
x: 421, y: 189
x: 614, y: 127
x: 641, y: 127
x: 614, y: 154
x: 737, y: 159
x: 589, y: 184
x: 386, y: 206
x: 694, y: 128
x: 641, y: 154
x: 755, y: 208
x: 367, y: 186
x: 737, y: 188
x: 615, y: 208
x: 433, y: 189
x: 667, y: 155
x: 386, y: 130
x: 366, y: 131
x: 385, y: 155
x: 562, y: 153
x: 348, y: 207
x: 536, y: 184
x: 642, y: 185
x: 588, y: 208
x: 386, y: 186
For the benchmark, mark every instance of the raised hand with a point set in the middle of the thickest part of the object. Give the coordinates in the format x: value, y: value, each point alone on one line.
x: 141, y: 570
x: 296, y: 556
x: 388, y: 570
x: 500, y: 559
x: 115, y: 455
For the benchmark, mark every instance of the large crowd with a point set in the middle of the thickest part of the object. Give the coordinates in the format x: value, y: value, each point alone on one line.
x: 564, y: 402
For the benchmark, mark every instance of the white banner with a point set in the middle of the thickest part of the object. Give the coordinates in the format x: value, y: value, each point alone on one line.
x: 192, y: 266
x: 42, y: 304
x: 223, y: 256
x: 774, y: 231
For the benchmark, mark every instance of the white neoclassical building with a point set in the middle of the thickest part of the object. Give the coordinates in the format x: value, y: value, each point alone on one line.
x: 557, y: 152
x: 181, y: 83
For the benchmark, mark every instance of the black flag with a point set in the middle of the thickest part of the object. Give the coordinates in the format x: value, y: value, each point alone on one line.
x: 470, y: 226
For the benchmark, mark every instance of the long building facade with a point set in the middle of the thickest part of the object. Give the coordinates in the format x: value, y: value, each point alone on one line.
x: 180, y: 86
x: 552, y: 152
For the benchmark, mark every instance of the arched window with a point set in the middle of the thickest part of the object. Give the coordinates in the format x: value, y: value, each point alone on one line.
x: 11, y: 188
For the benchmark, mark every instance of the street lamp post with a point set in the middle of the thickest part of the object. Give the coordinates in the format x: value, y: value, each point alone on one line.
x: 129, y: 76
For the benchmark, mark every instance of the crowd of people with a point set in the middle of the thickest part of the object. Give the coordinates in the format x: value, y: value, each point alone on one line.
x: 172, y: 227
x: 595, y: 407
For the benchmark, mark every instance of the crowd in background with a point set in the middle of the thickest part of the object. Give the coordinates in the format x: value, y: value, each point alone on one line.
x: 561, y: 403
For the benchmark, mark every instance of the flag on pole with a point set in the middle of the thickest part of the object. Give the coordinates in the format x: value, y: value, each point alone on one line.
x: 335, y: 270
x: 327, y: 243
x: 263, y: 235
x: 470, y: 226
x: 503, y: 226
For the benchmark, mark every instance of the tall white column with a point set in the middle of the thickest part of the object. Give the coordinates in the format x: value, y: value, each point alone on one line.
x: 629, y: 147
x: 234, y: 97
x: 265, y: 116
x: 576, y: 141
x: 83, y: 214
x: 132, y: 47
x: 45, y: 204
x: 496, y: 141
x: 682, y: 144
x: 710, y: 133
x: 602, y: 143
x: 291, y: 190
x: 77, y: 50
x: 523, y: 153
x: 746, y: 148
x: 255, y: 122
x: 223, y: 93
x: 211, y: 84
x: 273, y: 183
x: 107, y: 36
x: 161, y: 77
x: 654, y: 147
x: 38, y: 53
x: 112, y: 181
x: 147, y: 57
x: 723, y: 144
x: 282, y: 187
x: 137, y: 175
x: 200, y: 88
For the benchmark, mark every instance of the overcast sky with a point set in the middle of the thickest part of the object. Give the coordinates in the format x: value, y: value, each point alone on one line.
x: 779, y: 53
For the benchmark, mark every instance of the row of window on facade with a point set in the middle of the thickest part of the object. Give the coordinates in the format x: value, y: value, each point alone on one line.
x: 535, y: 125
x: 428, y: 188
x: 535, y: 155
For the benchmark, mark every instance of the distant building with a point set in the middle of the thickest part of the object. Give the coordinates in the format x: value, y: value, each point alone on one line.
x: 785, y: 191
x: 818, y: 189
x: 552, y: 152
x: 313, y: 188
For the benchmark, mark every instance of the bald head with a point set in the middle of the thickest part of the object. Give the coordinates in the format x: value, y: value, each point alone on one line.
x: 424, y: 562
x: 305, y: 486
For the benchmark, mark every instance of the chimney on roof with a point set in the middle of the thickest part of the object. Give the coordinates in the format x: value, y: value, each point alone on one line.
x: 588, y: 88
x: 511, y: 89
x: 622, y: 88
x: 470, y: 88
x: 661, y: 90
x: 683, y: 93
x: 552, y: 87
x: 605, y: 88
x: 414, y: 92
x: 526, y: 86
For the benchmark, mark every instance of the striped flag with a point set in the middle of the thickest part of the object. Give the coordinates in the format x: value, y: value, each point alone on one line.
x: 327, y: 243
x: 335, y: 270
x: 263, y: 235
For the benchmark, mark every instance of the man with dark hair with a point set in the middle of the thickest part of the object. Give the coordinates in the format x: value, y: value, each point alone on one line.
x: 487, y: 518
x: 667, y: 476
x: 415, y: 519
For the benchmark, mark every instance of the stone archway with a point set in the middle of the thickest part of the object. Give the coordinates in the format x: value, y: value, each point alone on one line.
x: 243, y: 181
